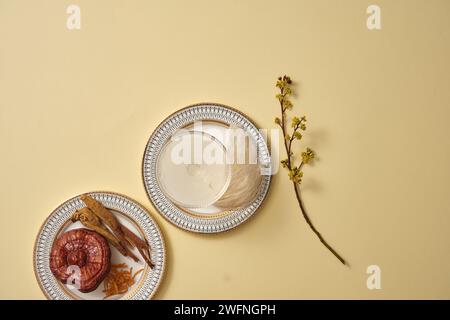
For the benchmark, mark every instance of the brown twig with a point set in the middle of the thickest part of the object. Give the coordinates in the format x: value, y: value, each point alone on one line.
x: 308, y: 221
x: 289, y: 165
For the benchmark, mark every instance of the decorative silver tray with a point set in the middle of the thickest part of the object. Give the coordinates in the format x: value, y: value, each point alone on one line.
x: 182, y: 217
x: 130, y: 213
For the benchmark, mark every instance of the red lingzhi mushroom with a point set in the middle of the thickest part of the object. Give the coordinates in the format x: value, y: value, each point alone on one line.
x: 84, y: 252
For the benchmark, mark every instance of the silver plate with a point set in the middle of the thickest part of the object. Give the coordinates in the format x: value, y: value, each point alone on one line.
x: 60, y: 218
x: 180, y: 119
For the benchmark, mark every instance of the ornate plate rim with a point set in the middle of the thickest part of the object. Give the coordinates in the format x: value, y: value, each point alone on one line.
x: 107, y: 193
x: 180, y: 222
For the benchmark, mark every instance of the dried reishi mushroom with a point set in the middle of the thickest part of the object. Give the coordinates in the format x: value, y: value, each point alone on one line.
x: 81, y: 250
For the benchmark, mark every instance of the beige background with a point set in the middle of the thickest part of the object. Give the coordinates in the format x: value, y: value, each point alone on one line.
x: 77, y: 108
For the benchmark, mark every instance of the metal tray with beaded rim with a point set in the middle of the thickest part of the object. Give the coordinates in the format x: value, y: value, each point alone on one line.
x: 185, y: 218
x: 130, y: 213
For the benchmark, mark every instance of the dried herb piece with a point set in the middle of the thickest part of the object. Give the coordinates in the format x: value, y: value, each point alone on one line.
x: 100, y: 219
x: 119, y: 280
x: 295, y: 172
x: 90, y: 220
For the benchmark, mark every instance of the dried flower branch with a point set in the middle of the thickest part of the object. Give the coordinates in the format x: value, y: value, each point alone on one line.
x: 295, y: 172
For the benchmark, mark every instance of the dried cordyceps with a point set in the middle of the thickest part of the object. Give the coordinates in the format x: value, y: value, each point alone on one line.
x: 295, y: 172
x: 119, y: 280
